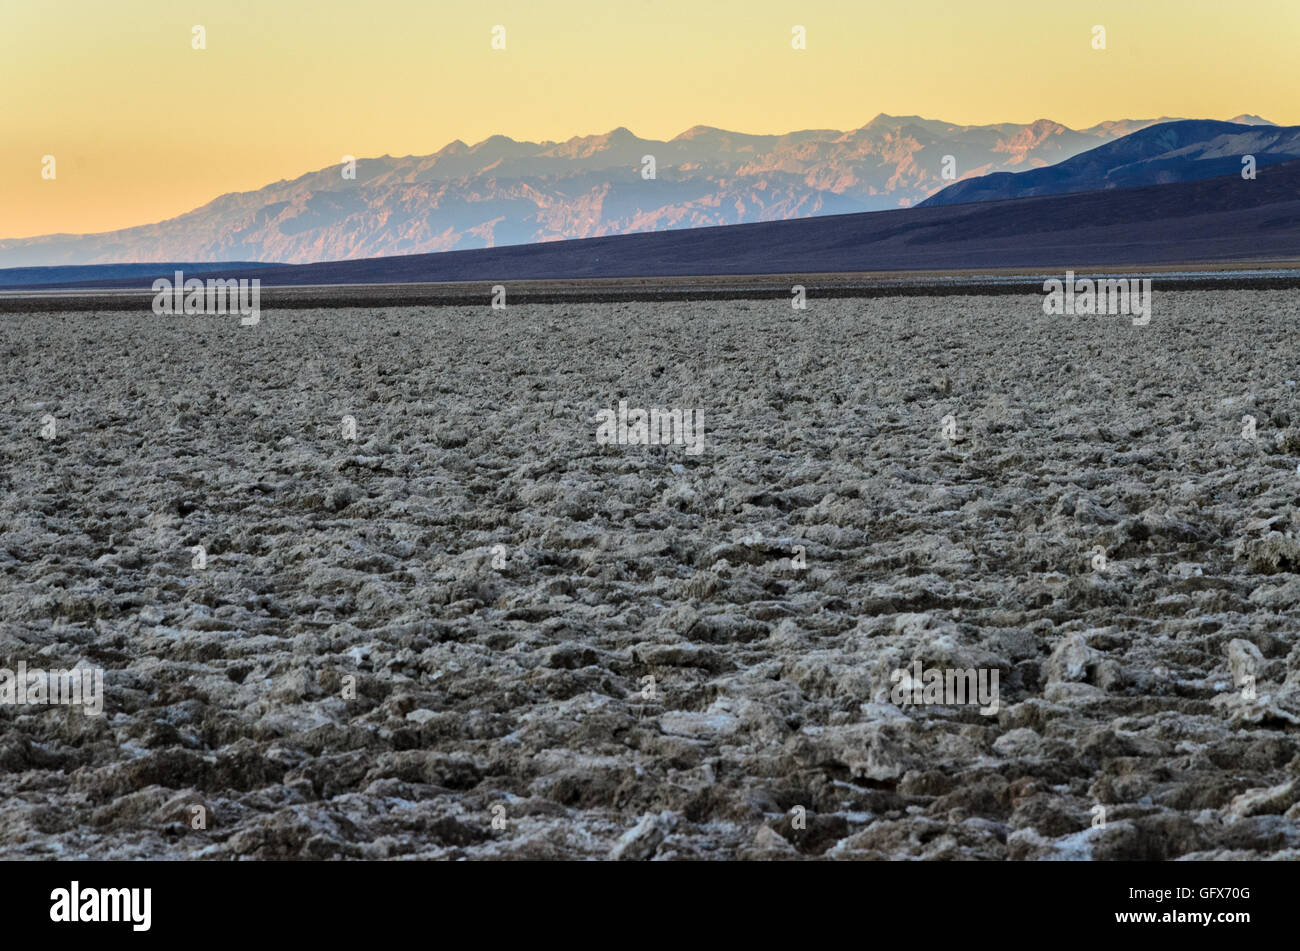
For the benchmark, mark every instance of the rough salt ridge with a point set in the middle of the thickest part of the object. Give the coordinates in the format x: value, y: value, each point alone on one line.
x: 518, y: 693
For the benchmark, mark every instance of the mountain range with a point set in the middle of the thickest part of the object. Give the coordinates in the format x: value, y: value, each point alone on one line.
x: 504, y: 192
x: 1221, y: 220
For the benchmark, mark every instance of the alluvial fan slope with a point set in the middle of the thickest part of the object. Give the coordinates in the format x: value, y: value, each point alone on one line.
x: 644, y: 669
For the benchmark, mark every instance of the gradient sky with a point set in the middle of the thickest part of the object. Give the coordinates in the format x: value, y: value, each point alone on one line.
x: 143, y: 127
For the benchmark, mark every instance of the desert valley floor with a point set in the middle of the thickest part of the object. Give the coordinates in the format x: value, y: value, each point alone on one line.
x: 472, y: 631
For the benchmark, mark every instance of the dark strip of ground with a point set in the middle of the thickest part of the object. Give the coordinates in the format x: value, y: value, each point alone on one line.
x: 742, y: 287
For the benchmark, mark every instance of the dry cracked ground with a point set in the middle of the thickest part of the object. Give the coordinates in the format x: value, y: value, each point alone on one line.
x: 642, y: 671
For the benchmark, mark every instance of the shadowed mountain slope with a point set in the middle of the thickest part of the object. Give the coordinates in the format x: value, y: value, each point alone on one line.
x: 1184, y: 151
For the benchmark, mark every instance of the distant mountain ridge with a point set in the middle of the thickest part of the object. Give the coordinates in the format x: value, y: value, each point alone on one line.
x: 1220, y: 220
x: 1179, y: 151
x: 501, y: 192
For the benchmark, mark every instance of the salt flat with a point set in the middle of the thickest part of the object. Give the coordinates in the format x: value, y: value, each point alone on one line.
x: 474, y: 630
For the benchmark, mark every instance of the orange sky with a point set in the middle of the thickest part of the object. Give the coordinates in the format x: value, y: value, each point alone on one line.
x: 144, y: 127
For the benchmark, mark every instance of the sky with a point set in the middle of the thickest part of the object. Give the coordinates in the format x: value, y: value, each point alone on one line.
x: 143, y: 126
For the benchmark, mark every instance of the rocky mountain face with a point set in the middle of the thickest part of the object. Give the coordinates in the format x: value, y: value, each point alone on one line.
x: 502, y: 192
